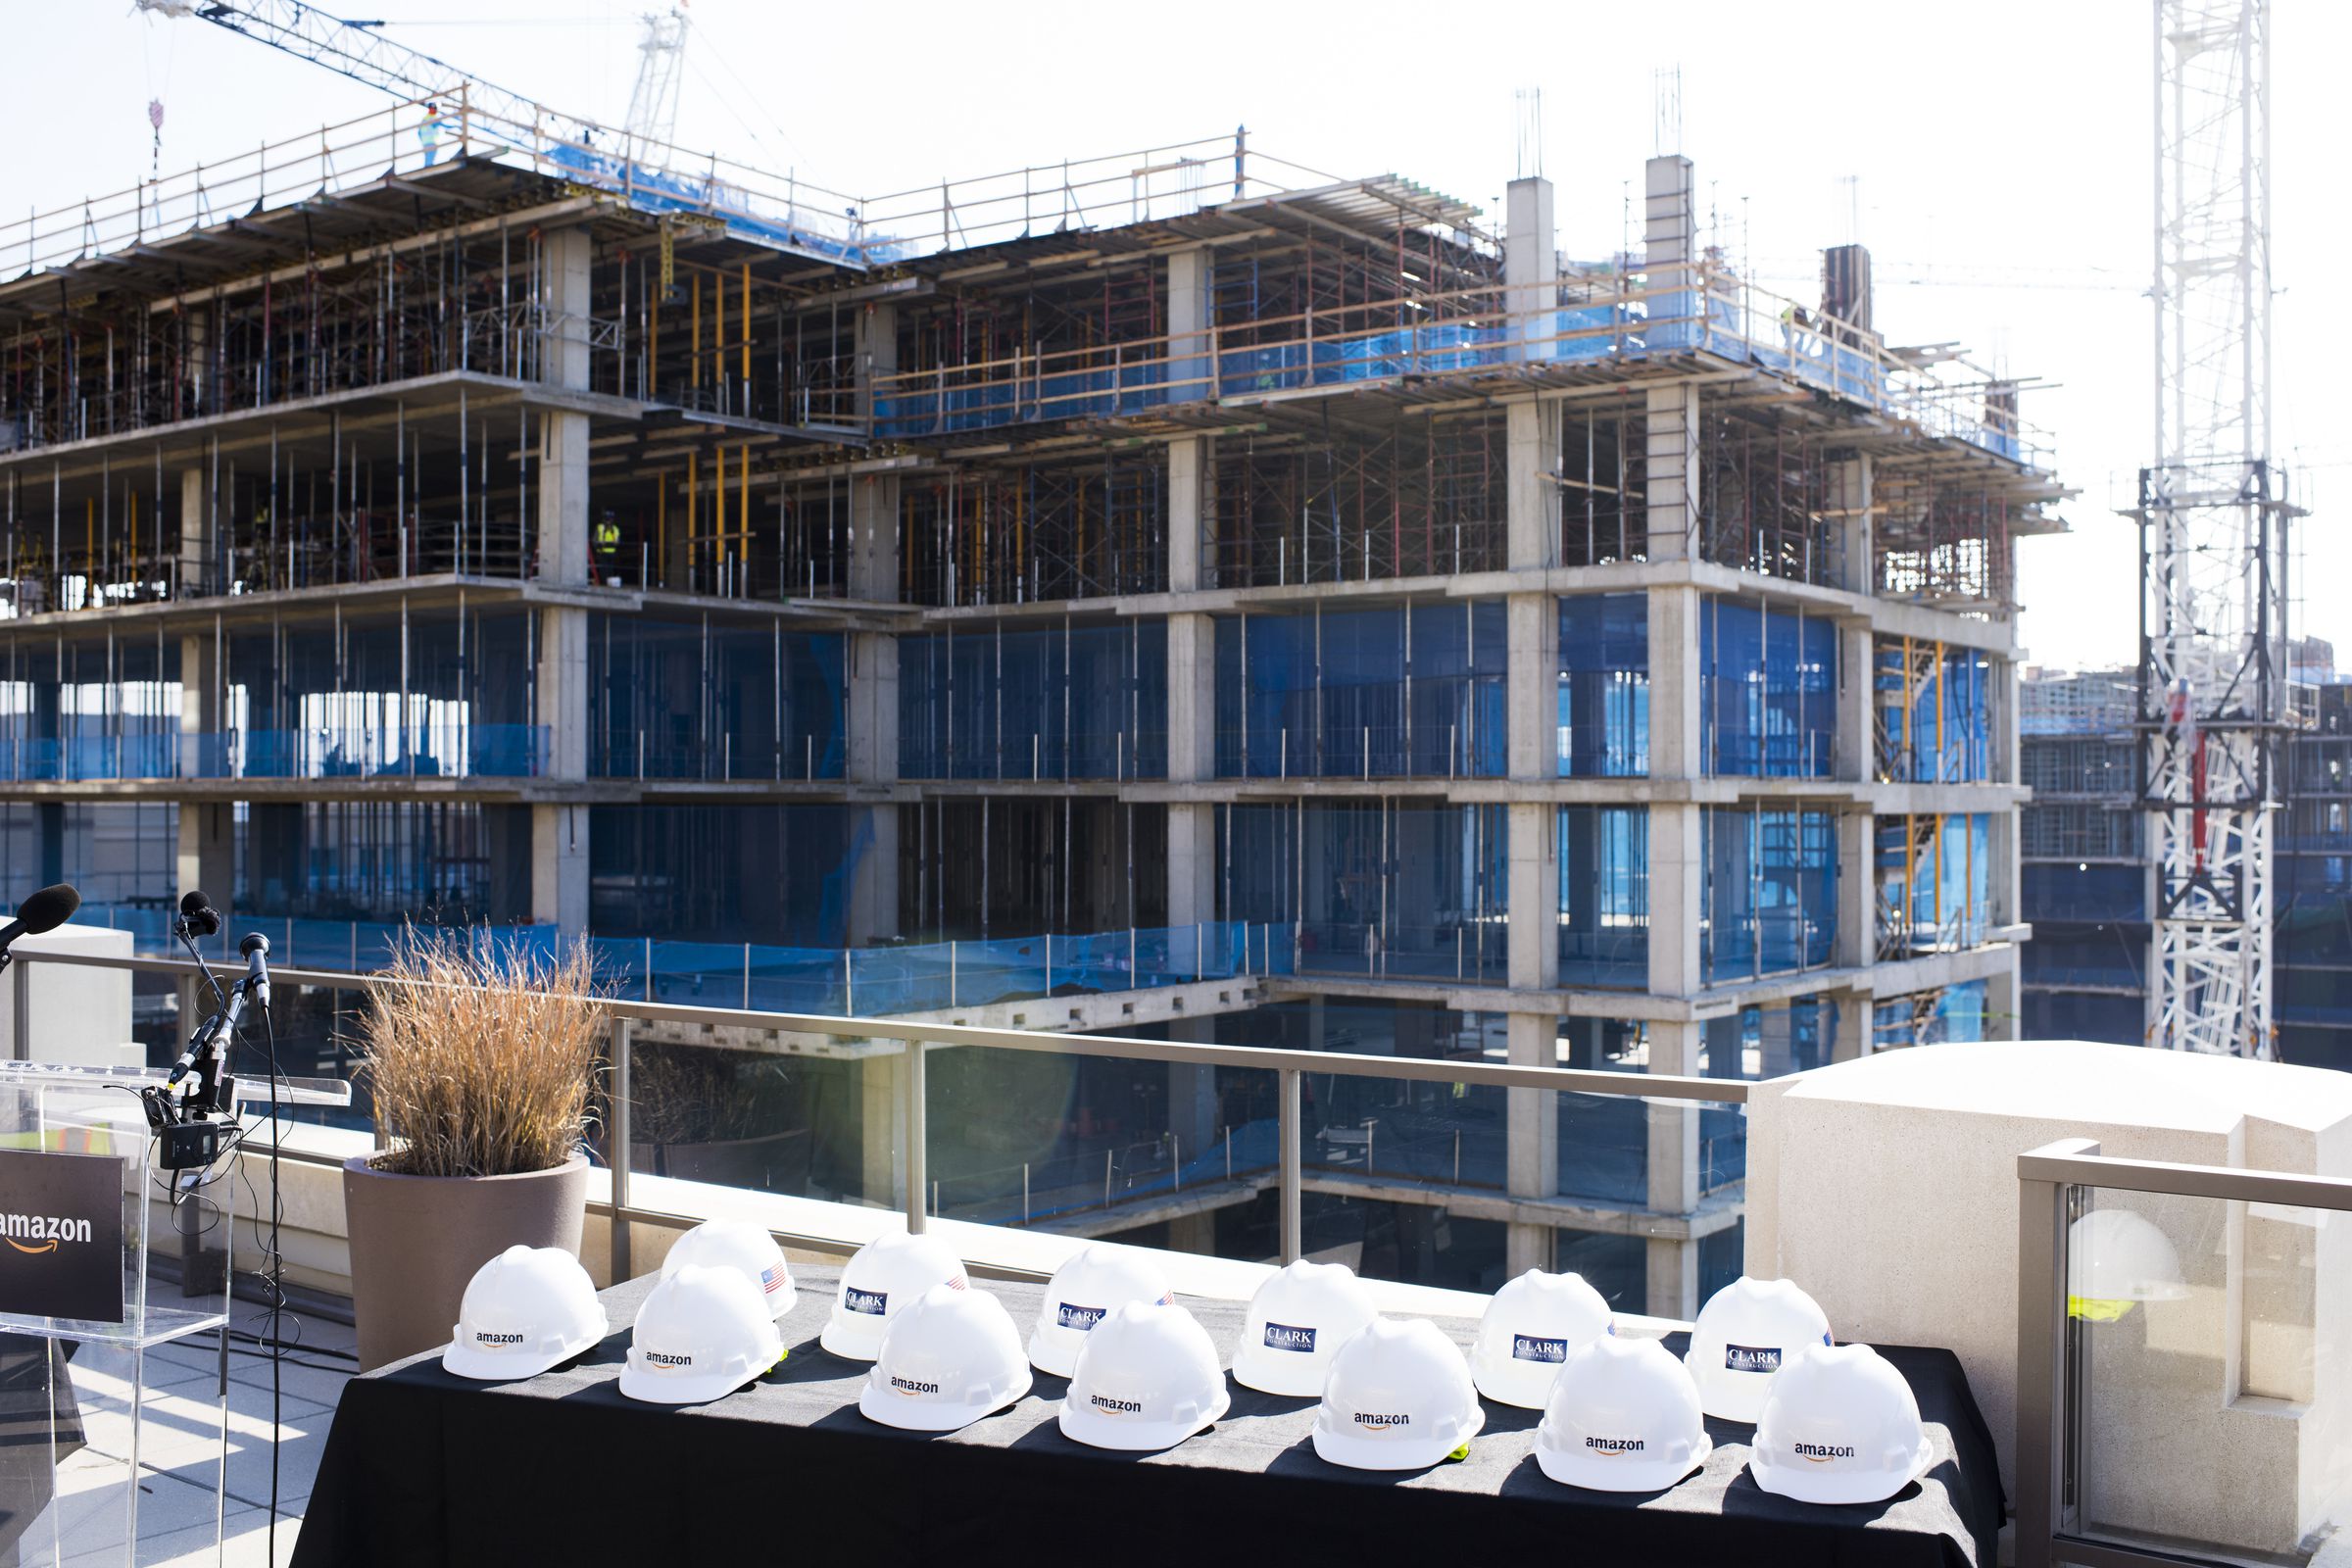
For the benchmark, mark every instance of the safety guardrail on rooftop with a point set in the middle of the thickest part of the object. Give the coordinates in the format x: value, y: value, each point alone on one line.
x: 2091, y: 1429
x: 1671, y: 309
x: 864, y: 982
x: 907, y: 1046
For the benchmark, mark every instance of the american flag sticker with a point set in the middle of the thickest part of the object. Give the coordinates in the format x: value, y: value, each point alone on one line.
x: 956, y: 1284
x: 1166, y: 1298
x: 771, y: 1280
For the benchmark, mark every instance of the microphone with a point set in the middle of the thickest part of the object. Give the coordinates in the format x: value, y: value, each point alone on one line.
x: 202, y: 918
x: 256, y: 948
x: 45, y: 911
x: 197, y: 1044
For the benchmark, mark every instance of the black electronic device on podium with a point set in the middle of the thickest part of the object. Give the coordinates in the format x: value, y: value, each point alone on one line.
x: 193, y: 1111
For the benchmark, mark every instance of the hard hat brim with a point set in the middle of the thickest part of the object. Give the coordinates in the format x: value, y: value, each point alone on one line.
x: 1080, y: 1425
x: 506, y: 1366
x: 924, y: 1415
x: 1725, y: 1395
x: 1055, y: 1350
x: 849, y: 1335
x: 658, y: 1387
x: 1806, y: 1483
x: 1387, y: 1454
x: 1295, y: 1375
x: 1518, y: 1384
x: 1571, y: 1468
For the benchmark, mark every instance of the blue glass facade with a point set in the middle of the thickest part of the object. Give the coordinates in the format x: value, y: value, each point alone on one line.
x: 1771, y: 891
x: 1768, y: 691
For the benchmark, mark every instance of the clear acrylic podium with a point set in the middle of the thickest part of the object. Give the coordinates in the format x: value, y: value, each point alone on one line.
x: 99, y: 1462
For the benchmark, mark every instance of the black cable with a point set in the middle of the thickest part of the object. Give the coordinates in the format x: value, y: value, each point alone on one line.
x: 277, y: 1299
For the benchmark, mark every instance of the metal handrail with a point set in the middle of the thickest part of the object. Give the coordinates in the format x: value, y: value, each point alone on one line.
x: 2045, y: 1178
x: 1288, y: 1066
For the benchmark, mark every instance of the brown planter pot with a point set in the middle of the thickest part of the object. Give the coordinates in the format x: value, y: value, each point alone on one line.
x: 415, y: 1240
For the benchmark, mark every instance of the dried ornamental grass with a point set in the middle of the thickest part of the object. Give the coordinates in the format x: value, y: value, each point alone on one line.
x: 480, y: 1064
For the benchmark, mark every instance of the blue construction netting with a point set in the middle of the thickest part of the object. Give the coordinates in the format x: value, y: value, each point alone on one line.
x: 1604, y: 896
x: 1941, y: 735
x: 1604, y: 686
x: 1771, y: 898
x: 2109, y: 957
x: 1768, y: 691
x: 1953, y: 1014
x: 2081, y: 891
x: 697, y: 700
x: 1056, y: 702
x: 1395, y: 692
x: 1373, y: 887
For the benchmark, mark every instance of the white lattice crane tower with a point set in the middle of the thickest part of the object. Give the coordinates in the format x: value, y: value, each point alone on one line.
x: 2213, y: 519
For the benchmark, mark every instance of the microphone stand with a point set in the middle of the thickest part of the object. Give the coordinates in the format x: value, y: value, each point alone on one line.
x: 194, y: 1127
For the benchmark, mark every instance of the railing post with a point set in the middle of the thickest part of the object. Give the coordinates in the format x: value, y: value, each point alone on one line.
x: 747, y: 977
x: 1107, y: 1158
x: 951, y: 974
x: 20, y: 1024
x: 2041, y: 1369
x: 619, y: 1155
x: 1176, y: 1161
x: 1024, y: 1191
x: 917, y: 1134
x: 1288, y: 1096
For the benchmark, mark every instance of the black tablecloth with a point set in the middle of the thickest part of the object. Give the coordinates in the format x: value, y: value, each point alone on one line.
x: 423, y: 1467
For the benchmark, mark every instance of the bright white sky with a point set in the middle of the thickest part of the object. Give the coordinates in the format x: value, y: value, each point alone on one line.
x: 1992, y: 138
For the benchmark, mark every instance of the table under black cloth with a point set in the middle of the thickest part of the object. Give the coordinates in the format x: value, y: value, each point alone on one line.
x: 423, y: 1467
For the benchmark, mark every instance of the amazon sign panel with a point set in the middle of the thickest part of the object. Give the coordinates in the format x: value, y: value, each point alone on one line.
x: 61, y: 1235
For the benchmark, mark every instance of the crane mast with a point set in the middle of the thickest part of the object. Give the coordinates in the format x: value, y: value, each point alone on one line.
x: 2213, y: 521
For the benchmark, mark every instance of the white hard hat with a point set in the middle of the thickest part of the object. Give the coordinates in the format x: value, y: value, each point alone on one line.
x: 702, y: 1333
x: 524, y: 1310
x: 1742, y: 1335
x: 1533, y: 1325
x: 1147, y: 1378
x: 1839, y: 1426
x: 1296, y: 1323
x: 886, y: 1274
x: 2114, y: 1256
x: 1399, y: 1398
x: 950, y: 1357
x: 1093, y: 1280
x: 1623, y: 1416
x: 735, y: 1244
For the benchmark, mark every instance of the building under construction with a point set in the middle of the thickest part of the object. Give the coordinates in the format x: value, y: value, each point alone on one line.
x: 1296, y: 599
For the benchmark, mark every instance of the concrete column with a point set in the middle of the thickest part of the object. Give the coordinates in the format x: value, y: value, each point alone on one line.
x: 208, y: 852
x: 873, y: 760
x: 2004, y: 1009
x: 559, y: 867
x: 195, y: 532
x: 874, y: 705
x: 1677, y: 893
x: 1532, y: 630
x: 882, y: 1125
x: 1192, y: 312
x: 1673, y: 1264
x: 560, y: 830
x: 1849, y: 488
x: 1531, y: 266
x: 1532, y: 501
x: 1857, y: 938
x: 1854, y: 1038
x: 1857, y: 740
x: 200, y: 699
x: 1671, y: 443
x: 1192, y: 655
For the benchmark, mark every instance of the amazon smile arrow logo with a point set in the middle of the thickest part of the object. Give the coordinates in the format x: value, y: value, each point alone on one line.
x: 49, y: 1246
